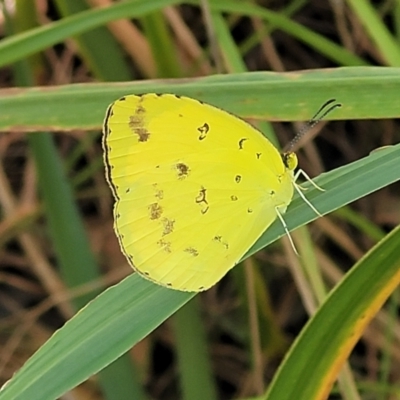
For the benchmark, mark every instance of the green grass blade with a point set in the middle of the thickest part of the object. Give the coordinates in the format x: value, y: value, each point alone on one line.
x: 365, y: 92
x: 233, y: 61
x: 24, y: 44
x: 162, y: 45
x: 342, y: 186
x: 294, y: 29
x: 102, y: 331
x: 317, y: 355
x: 71, y: 244
x: 377, y: 30
x: 98, y: 47
x: 193, y: 357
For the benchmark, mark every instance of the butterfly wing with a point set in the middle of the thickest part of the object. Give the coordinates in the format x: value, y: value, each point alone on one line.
x: 194, y: 185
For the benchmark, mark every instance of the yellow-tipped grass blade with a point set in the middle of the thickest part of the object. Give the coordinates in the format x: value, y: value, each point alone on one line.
x: 315, y: 359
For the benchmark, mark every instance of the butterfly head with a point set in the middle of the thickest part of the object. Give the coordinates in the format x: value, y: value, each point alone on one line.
x: 289, y: 160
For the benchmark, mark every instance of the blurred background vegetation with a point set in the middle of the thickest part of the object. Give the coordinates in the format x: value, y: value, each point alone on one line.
x: 56, y: 208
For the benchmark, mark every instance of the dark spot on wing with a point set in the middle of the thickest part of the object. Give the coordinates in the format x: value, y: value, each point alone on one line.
x: 137, y: 124
x: 204, y: 129
x: 241, y: 143
x: 183, y: 170
x: 168, y: 226
x: 202, y: 200
x: 155, y: 211
x: 192, y: 251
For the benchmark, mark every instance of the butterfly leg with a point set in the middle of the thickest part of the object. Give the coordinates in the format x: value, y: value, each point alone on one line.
x: 302, y: 172
x: 301, y: 194
x: 278, y: 213
x: 299, y: 189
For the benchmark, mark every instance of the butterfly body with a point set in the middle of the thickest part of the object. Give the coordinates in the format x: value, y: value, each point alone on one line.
x: 195, y: 187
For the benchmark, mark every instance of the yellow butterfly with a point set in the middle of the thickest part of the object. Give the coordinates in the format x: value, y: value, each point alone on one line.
x: 194, y: 186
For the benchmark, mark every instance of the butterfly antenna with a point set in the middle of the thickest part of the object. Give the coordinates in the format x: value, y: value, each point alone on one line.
x: 324, y: 110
